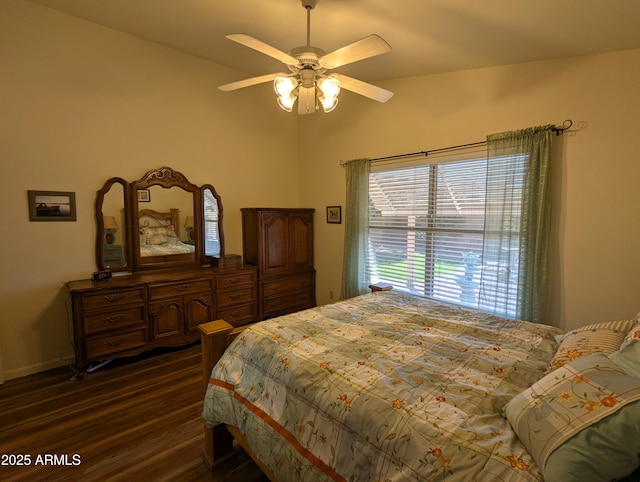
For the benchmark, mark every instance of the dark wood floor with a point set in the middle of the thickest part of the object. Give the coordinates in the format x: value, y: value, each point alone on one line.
x: 138, y: 420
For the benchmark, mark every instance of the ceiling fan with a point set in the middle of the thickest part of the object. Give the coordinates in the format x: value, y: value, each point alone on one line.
x: 308, y: 82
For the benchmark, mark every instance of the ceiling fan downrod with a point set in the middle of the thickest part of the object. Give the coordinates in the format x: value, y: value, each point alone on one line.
x: 308, y: 6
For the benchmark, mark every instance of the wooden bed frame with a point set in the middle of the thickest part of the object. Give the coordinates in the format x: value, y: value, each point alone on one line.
x: 215, y: 338
x: 159, y: 219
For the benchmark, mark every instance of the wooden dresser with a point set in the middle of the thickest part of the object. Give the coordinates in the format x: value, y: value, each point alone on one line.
x: 129, y: 314
x: 279, y: 242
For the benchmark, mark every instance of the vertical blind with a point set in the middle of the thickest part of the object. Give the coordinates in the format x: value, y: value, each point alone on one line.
x: 427, y: 230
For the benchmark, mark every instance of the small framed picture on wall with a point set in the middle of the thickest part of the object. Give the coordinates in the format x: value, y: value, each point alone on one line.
x: 52, y: 206
x: 334, y: 214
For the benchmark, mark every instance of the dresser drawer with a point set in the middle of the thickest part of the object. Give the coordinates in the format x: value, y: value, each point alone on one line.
x: 113, y: 320
x: 112, y: 298
x: 241, y: 295
x: 288, y: 303
x: 238, y: 315
x: 100, y: 346
x: 285, y: 285
x: 231, y: 281
x: 186, y: 287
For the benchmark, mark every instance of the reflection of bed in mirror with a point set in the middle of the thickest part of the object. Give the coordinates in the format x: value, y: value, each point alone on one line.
x: 159, y: 233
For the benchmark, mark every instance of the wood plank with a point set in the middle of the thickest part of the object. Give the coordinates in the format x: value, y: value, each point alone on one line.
x: 134, y: 419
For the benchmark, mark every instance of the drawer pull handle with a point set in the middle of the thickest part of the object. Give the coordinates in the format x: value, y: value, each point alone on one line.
x: 114, y: 318
x: 114, y: 297
x: 274, y: 287
x: 234, y: 280
x: 234, y: 313
x: 116, y: 342
x: 234, y: 296
x: 181, y: 287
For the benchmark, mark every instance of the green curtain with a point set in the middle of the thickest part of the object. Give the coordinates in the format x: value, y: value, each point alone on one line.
x: 355, y: 278
x: 529, y: 231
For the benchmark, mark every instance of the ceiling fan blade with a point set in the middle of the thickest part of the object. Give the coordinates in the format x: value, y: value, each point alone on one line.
x: 362, y: 49
x: 260, y: 46
x: 249, y: 82
x: 359, y: 87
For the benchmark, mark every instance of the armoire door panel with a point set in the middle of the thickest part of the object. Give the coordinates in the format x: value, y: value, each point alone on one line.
x: 275, y: 242
x: 301, y: 228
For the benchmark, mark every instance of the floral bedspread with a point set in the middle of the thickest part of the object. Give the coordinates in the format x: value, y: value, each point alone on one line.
x: 385, y: 386
x: 177, y: 247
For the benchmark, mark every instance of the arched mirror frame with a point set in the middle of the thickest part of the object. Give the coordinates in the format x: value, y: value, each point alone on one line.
x: 127, y: 259
x: 167, y: 178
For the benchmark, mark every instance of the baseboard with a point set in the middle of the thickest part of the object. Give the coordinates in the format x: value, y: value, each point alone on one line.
x: 37, y: 368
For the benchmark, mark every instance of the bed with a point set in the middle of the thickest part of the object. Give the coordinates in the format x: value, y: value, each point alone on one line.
x: 158, y: 234
x: 389, y: 386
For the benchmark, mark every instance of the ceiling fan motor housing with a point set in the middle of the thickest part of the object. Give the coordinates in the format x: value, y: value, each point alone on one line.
x: 307, y: 56
x: 311, y: 4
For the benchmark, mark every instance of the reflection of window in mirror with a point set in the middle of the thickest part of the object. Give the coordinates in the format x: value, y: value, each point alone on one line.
x: 211, y: 233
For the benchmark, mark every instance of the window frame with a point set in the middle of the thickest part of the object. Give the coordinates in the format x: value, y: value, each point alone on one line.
x: 480, y: 283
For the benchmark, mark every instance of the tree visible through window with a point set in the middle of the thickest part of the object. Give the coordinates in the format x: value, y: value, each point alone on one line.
x: 427, y: 232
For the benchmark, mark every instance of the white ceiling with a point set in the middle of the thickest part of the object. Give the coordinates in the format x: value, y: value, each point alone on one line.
x: 426, y: 36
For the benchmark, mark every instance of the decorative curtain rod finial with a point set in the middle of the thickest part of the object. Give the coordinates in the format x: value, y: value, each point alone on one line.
x: 559, y: 130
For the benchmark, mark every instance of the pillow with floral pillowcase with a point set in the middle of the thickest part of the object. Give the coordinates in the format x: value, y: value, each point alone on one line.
x: 579, y: 422
x: 156, y: 230
x: 596, y: 338
x: 155, y: 239
x: 628, y: 356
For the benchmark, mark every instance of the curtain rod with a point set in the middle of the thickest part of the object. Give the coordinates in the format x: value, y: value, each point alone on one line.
x: 559, y: 130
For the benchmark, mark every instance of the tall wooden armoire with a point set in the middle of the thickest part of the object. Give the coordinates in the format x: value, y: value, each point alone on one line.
x: 279, y: 242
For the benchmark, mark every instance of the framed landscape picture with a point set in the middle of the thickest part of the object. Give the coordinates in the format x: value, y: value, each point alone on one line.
x: 52, y: 206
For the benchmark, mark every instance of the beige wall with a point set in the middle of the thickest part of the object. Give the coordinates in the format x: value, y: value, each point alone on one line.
x: 596, y: 252
x: 81, y: 103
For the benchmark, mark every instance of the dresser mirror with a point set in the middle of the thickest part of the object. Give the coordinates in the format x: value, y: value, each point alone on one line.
x: 113, y: 249
x: 212, y: 209
x: 159, y: 221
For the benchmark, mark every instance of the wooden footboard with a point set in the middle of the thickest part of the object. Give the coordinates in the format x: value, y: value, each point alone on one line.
x: 216, y: 337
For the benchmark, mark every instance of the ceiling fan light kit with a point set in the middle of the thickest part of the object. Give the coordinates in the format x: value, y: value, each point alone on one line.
x: 308, y: 83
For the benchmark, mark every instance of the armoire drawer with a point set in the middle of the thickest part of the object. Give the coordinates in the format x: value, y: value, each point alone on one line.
x: 284, y: 285
x: 301, y: 300
x: 113, y: 320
